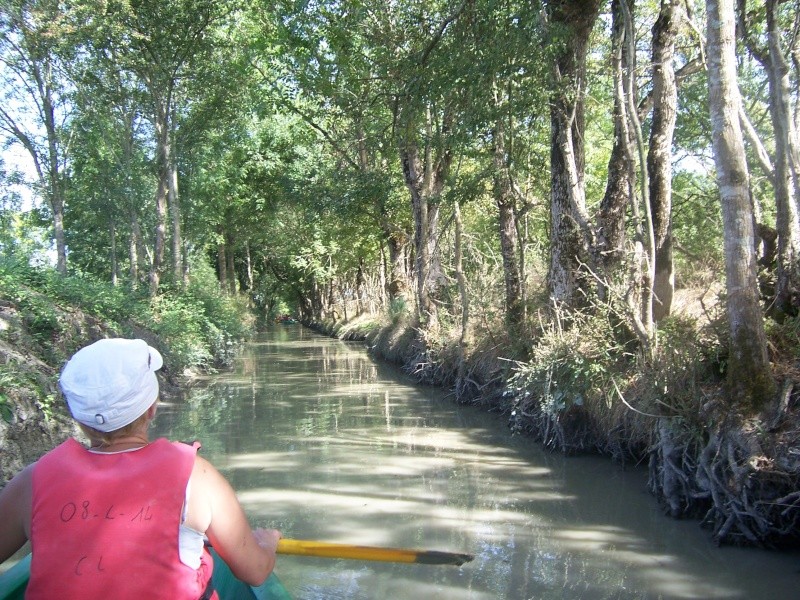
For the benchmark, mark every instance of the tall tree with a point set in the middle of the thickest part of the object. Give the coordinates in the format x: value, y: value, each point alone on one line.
x: 505, y: 200
x: 506, y: 87
x: 775, y: 49
x: 426, y: 159
x: 659, y: 156
x: 571, y: 234
x: 164, y: 47
x: 109, y: 173
x: 425, y: 107
x: 749, y: 378
x: 328, y: 55
x: 640, y: 292
x: 35, y: 49
x: 619, y: 186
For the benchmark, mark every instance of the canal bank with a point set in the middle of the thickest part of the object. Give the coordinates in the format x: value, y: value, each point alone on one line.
x: 736, y: 475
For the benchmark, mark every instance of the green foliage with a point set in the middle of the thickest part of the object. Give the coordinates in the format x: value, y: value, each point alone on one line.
x: 571, y: 365
x: 697, y: 227
x: 15, y: 380
x: 178, y: 322
x: 586, y: 376
x: 110, y: 303
x: 199, y: 326
x: 22, y: 233
x: 228, y: 313
x: 37, y: 290
x: 398, y: 310
x: 784, y: 340
x: 687, y: 359
x: 6, y: 413
x: 19, y: 284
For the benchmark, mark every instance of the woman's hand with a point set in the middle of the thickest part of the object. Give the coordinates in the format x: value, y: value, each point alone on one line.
x: 267, y: 538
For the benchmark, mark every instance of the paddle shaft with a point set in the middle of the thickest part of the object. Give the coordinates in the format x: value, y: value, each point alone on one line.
x: 330, y: 550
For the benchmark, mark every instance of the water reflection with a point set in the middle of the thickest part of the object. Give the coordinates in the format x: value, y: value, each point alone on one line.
x: 323, y: 443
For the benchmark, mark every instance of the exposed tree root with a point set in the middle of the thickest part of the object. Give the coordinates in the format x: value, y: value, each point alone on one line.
x: 740, y: 479
x: 743, y: 479
x: 673, y: 460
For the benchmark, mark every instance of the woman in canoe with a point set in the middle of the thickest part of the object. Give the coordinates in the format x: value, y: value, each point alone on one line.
x: 125, y: 517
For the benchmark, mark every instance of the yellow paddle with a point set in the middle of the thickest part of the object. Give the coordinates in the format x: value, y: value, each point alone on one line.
x: 329, y: 550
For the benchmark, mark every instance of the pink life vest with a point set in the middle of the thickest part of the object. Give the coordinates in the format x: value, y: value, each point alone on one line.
x: 106, y: 525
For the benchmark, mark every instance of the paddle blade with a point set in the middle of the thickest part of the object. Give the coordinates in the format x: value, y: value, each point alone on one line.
x: 330, y: 550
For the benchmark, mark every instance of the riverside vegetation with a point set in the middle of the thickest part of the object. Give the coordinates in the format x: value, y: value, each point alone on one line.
x: 577, y: 393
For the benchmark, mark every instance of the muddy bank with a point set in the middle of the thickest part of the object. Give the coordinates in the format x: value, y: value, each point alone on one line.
x: 33, y: 416
x: 35, y: 419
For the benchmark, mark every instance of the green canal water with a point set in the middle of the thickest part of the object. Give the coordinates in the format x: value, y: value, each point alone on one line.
x: 324, y: 443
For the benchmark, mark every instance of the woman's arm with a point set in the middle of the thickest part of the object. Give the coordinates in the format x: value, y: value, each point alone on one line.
x: 15, y: 513
x: 215, y: 509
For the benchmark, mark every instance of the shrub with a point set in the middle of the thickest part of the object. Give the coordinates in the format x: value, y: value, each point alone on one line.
x: 566, y: 393
x: 198, y: 326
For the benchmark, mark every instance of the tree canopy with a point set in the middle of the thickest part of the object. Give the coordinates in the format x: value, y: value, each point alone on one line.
x: 320, y: 155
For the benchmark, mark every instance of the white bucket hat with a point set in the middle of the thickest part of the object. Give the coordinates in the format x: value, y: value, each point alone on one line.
x: 111, y: 383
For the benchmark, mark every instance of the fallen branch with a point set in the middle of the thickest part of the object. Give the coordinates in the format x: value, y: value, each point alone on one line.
x: 636, y: 410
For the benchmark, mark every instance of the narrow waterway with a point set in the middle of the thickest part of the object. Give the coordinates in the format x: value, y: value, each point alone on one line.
x: 324, y: 443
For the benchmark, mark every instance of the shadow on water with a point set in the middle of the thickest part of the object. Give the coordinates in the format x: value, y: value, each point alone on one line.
x: 324, y: 443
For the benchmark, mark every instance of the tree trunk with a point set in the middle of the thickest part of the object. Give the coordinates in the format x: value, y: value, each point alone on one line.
x: 56, y: 191
x: 506, y: 217
x: 426, y: 309
x: 230, y: 265
x: 784, y: 173
x: 640, y: 293
x: 175, y: 216
x: 570, y: 235
x: 135, y: 251
x: 133, y: 254
x: 396, y: 286
x: 611, y: 219
x: 222, y: 263
x: 112, y: 232
x: 361, y: 293
x: 160, y: 237
x: 460, y: 278
x: 248, y: 265
x: 659, y: 157
x: 425, y: 176
x: 163, y: 158
x: 395, y: 277
x: 138, y: 250
x: 749, y: 378
x: 57, y: 205
x: 316, y: 301
x: 787, y: 169
x: 186, y: 269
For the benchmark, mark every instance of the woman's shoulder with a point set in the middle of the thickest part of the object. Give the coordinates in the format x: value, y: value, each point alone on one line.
x: 17, y: 494
x: 204, y: 487
x: 203, y: 471
x: 21, y: 479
